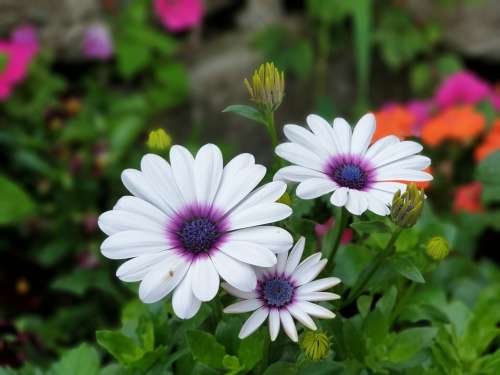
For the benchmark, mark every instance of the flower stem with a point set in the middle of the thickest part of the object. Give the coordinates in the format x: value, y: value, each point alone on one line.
x: 271, y: 128
x: 336, y: 234
x: 372, y: 268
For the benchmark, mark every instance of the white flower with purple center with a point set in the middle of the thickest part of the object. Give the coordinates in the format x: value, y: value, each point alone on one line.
x: 340, y: 160
x: 284, y: 292
x: 193, y: 221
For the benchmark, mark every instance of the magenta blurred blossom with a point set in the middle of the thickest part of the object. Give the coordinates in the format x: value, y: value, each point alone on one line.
x: 97, y: 42
x: 88, y: 260
x: 179, y: 15
x: 322, y: 229
x: 421, y: 110
x: 495, y: 97
x: 18, y: 52
x: 462, y: 88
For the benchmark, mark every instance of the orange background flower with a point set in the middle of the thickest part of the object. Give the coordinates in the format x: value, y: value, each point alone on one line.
x: 468, y: 198
x: 491, y: 142
x: 395, y: 120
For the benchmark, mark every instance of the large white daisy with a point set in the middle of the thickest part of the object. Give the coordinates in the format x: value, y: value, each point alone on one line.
x: 190, y: 222
x: 340, y: 160
x: 285, y: 291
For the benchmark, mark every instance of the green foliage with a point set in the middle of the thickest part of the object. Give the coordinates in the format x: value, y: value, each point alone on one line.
x: 16, y: 204
x: 247, y: 112
x: 488, y: 173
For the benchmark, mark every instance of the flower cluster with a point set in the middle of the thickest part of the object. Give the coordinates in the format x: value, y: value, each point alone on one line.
x: 192, y: 221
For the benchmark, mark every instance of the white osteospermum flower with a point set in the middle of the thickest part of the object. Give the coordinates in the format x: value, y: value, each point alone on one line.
x: 286, y: 291
x: 190, y: 222
x: 340, y: 160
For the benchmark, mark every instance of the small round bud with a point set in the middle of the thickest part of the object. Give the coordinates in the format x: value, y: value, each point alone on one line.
x: 315, y: 345
x: 267, y: 87
x: 159, y: 140
x: 437, y: 248
x: 407, y: 207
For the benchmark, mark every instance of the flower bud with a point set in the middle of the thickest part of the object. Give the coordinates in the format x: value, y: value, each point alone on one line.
x: 437, y: 248
x: 315, y: 345
x: 159, y: 140
x: 407, y: 207
x: 267, y: 88
x: 285, y: 199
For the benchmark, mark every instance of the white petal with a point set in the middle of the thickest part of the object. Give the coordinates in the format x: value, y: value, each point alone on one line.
x: 315, y: 310
x: 160, y: 176
x: 184, y: 302
x: 205, y: 279
x: 377, y: 206
x: 253, y: 322
x: 133, y: 243
x: 318, y: 285
x: 382, y: 196
x: 412, y: 162
x: 288, y: 325
x: 182, y: 163
x: 207, y: 172
x: 281, y: 263
x: 259, y: 214
x: 274, y: 324
x: 115, y: 221
x: 162, y: 279
x: 136, y: 268
x: 138, y: 185
x: 243, y: 306
x: 275, y: 239
x: 141, y: 207
x: 237, y: 274
x: 305, y: 138
x: 305, y: 275
x: 357, y: 202
x: 299, y: 155
x: 390, y: 187
x: 235, y: 187
x: 395, y: 152
x: 310, y: 261
x: 239, y: 293
x: 249, y: 252
x: 381, y: 145
x: 362, y: 134
x: 323, y: 132
x: 267, y: 193
x: 339, y: 197
x: 317, y: 296
x: 315, y: 187
x: 342, y: 132
x: 301, y: 316
x: 295, y: 173
x: 295, y: 255
x: 403, y: 174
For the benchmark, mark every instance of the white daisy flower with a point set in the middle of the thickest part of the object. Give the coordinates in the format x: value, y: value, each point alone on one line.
x: 285, y: 291
x: 340, y: 160
x: 190, y: 222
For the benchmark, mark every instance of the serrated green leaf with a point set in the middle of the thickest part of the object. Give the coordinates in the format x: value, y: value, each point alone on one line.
x: 405, y: 267
x: 82, y: 360
x: 247, y: 112
x: 15, y: 204
x: 410, y: 342
x: 281, y: 368
x: 252, y: 349
x: 205, y: 348
x: 122, y: 347
x: 364, y: 303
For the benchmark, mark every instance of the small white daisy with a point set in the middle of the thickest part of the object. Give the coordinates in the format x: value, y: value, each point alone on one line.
x: 340, y: 160
x: 192, y: 220
x: 284, y: 292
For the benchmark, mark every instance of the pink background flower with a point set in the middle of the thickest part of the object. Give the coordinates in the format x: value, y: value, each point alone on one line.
x: 97, y: 42
x: 461, y: 88
x: 179, y: 15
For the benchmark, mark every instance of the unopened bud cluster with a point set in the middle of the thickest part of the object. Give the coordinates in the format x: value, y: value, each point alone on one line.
x: 315, y: 345
x: 407, y: 207
x: 267, y: 87
x: 159, y: 140
x: 437, y: 248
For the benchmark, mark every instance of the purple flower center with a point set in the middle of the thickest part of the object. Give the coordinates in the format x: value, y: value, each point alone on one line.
x: 277, y: 292
x: 349, y: 171
x: 198, y: 235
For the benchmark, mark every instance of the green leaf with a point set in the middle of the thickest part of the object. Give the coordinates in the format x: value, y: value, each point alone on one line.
x: 410, y: 342
x: 388, y: 300
x: 83, y: 360
x: 247, y: 112
x: 80, y: 281
x: 375, y: 327
x: 252, y: 349
x: 281, y: 368
x: 405, y: 267
x: 205, y: 348
x: 488, y: 173
x: 231, y: 362
x: 370, y: 227
x: 122, y: 347
x: 364, y: 303
x: 15, y: 204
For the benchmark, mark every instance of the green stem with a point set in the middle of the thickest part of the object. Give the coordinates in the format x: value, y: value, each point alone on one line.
x: 336, y: 234
x: 372, y: 268
x: 271, y: 128
x: 401, y: 302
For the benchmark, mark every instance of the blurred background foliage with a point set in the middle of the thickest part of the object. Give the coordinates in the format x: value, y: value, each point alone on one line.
x: 76, y: 119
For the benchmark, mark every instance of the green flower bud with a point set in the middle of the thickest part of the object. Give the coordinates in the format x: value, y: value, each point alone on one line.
x: 437, y: 248
x: 159, y: 140
x: 267, y: 88
x: 407, y: 207
x: 315, y: 345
